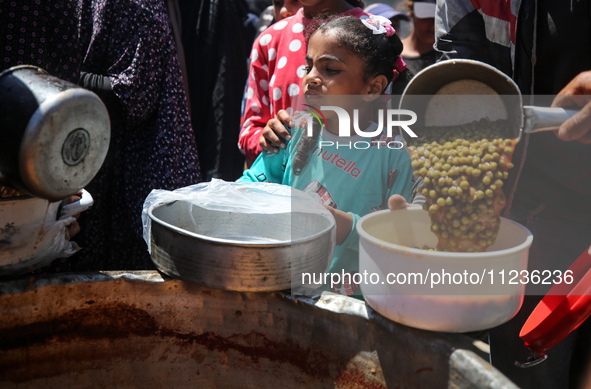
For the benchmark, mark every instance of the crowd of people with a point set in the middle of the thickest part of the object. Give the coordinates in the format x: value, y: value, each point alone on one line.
x: 196, y: 89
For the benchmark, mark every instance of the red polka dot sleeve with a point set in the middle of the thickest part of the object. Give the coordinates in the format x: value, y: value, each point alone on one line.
x: 276, y: 70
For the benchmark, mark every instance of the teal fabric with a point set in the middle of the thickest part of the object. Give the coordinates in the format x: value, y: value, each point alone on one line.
x: 356, y: 179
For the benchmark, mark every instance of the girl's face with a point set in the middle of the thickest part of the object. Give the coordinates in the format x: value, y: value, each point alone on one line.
x: 334, y: 70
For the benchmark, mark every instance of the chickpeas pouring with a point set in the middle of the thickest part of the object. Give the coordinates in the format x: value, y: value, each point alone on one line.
x: 463, y: 172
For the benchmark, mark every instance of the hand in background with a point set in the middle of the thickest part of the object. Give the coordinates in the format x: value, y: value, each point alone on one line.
x: 398, y: 202
x: 74, y: 227
x: 576, y: 94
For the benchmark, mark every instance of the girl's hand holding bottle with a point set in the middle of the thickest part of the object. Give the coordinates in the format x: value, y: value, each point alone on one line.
x: 276, y: 133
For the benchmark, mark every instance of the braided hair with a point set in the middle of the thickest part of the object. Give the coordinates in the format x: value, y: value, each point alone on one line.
x: 379, y: 53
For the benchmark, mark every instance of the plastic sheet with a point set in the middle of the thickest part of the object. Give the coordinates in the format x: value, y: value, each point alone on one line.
x: 242, y: 197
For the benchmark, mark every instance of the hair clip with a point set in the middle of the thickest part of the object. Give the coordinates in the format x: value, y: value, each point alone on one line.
x: 379, y: 24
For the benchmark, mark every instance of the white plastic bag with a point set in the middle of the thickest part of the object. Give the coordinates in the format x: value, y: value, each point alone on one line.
x: 244, y: 197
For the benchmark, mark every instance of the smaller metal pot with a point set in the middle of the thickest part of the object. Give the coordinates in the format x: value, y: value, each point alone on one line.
x: 430, y: 82
x: 54, y: 134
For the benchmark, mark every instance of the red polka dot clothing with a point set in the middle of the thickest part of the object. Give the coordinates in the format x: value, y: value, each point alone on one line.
x: 276, y: 70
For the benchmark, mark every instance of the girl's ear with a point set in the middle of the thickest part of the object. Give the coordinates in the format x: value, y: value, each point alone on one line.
x: 376, y: 87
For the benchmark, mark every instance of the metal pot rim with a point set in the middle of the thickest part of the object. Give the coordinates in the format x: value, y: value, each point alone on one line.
x: 232, y: 242
x: 12, y: 69
x: 439, y: 255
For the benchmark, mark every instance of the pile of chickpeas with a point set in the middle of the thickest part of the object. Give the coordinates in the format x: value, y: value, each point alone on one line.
x: 463, y: 170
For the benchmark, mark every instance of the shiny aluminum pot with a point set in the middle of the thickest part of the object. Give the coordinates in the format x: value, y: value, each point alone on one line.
x: 239, y: 251
x: 55, y: 134
x: 469, y: 78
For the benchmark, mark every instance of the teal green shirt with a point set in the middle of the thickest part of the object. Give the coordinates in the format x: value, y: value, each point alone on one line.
x: 354, y: 174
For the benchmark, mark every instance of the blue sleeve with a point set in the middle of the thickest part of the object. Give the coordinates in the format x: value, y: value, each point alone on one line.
x: 268, y: 167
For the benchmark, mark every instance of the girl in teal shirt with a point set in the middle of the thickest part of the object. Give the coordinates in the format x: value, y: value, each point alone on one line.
x: 354, y: 175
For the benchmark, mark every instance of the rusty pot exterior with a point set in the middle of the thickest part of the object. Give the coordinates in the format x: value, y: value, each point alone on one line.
x: 136, y: 330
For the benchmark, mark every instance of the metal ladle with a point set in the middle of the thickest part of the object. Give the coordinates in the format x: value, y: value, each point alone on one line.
x: 436, y: 80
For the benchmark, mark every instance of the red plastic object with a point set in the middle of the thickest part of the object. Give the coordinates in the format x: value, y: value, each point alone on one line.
x: 562, y: 310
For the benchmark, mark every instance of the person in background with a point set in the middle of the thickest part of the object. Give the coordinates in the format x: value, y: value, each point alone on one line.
x: 46, y: 35
x: 418, y: 52
x: 217, y: 36
x: 43, y: 34
x: 279, y: 10
x: 388, y: 12
x: 545, y: 47
x: 266, y: 18
x: 345, y: 56
x: 277, y: 67
x: 131, y: 63
x: 258, y: 6
x: 286, y: 8
x: 274, y: 13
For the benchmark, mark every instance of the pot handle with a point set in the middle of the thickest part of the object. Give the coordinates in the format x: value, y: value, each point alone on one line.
x: 545, y: 118
x: 77, y: 207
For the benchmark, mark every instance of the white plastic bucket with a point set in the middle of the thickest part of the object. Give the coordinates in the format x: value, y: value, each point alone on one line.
x: 439, y: 291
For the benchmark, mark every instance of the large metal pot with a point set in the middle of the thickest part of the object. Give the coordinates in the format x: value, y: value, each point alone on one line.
x: 239, y: 251
x: 55, y: 134
x: 135, y: 330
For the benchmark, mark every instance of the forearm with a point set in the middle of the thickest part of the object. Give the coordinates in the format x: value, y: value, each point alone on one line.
x: 248, y: 141
x: 101, y: 85
x: 344, y: 221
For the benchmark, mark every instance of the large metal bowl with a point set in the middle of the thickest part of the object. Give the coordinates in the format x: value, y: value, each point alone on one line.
x: 136, y: 330
x: 239, y: 251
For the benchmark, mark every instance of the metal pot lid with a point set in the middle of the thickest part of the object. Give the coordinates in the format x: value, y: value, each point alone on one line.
x: 562, y: 310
